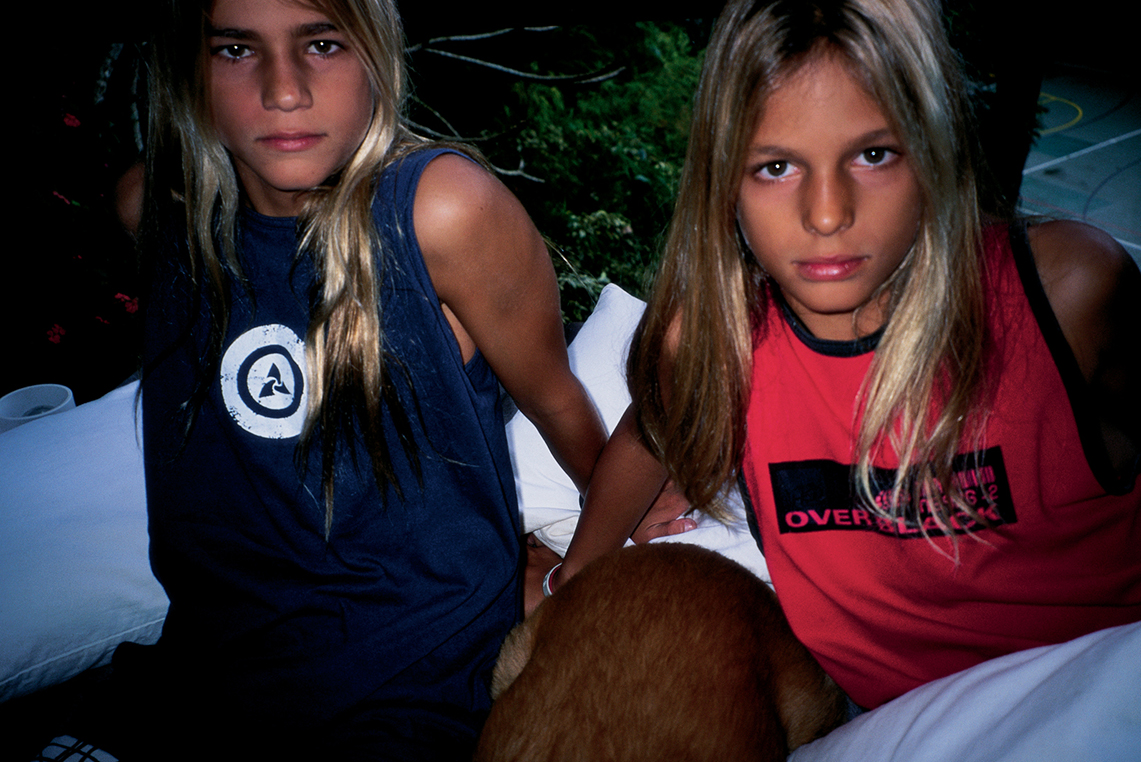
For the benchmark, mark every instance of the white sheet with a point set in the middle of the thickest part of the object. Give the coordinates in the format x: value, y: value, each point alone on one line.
x: 548, y: 500
x: 74, y: 565
x: 1078, y: 701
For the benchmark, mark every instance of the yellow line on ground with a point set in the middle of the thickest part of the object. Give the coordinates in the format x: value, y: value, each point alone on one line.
x: 1045, y: 98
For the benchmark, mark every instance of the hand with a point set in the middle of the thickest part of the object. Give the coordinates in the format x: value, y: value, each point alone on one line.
x: 540, y: 560
x: 665, y: 517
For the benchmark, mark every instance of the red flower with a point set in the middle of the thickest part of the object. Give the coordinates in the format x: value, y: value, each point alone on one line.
x: 55, y: 333
x: 70, y: 120
x: 129, y: 304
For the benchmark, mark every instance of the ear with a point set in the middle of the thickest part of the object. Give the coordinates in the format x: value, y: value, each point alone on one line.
x: 515, y: 653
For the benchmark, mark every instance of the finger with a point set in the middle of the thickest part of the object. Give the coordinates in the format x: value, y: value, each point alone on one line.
x: 663, y: 529
x: 679, y: 526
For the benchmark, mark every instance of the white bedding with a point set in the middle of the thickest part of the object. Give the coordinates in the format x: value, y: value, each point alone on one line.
x: 1078, y: 701
x: 548, y: 500
x: 77, y: 582
x: 74, y: 566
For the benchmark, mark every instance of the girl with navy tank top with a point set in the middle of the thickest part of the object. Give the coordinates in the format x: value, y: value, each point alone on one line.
x: 334, y: 306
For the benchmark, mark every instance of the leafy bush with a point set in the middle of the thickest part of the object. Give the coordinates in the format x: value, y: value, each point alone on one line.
x: 598, y: 160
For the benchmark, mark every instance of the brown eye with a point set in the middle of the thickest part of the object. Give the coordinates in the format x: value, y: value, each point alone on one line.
x: 871, y: 157
x: 774, y: 170
x: 232, y: 52
x: 324, y: 47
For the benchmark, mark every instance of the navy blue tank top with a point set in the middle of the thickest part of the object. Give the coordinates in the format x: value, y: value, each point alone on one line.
x: 396, y: 618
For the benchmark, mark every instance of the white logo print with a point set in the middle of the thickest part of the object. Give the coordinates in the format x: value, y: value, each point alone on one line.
x: 263, y: 382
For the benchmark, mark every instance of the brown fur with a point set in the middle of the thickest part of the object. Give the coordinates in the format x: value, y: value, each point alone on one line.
x: 657, y: 652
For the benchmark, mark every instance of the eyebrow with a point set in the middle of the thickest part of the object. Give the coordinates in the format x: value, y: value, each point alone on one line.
x: 885, y: 133
x: 305, y: 30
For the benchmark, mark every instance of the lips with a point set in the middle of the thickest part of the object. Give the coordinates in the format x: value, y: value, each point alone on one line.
x: 830, y: 269
x: 291, y: 141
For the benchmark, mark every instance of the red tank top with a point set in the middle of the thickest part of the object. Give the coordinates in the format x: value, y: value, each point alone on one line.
x: 880, y: 606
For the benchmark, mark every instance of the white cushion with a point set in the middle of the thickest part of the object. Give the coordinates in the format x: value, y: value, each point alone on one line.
x: 548, y: 500
x: 74, y: 564
x: 1079, y: 700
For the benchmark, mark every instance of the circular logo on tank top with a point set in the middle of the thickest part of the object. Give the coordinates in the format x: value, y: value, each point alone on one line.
x: 263, y: 382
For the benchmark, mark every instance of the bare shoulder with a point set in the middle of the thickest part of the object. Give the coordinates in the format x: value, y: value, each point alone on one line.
x: 459, y: 203
x: 449, y: 187
x: 1094, y: 289
x: 481, y: 249
x: 498, y: 291
x: 1092, y: 283
x: 1065, y: 249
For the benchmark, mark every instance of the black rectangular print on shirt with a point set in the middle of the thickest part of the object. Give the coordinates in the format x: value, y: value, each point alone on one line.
x: 816, y: 496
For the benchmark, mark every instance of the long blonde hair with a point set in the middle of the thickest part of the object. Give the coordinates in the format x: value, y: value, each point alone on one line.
x: 190, y: 175
x: 709, y: 298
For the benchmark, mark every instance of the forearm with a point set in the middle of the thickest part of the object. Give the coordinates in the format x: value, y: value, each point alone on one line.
x: 574, y: 433
x: 627, y: 479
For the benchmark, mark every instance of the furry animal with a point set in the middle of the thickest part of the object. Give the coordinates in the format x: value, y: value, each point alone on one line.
x: 657, y: 652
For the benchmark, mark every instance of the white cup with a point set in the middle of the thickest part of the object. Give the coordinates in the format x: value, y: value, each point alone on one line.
x: 33, y: 402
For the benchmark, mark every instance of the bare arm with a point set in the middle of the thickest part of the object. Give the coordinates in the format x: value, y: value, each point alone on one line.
x: 629, y: 493
x: 626, y: 499
x: 1094, y: 289
x: 494, y: 278
x: 626, y: 481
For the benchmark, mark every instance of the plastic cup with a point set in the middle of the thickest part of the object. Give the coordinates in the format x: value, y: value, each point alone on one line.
x: 32, y: 402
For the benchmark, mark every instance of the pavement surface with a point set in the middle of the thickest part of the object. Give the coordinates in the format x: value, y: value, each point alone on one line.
x: 1086, y: 163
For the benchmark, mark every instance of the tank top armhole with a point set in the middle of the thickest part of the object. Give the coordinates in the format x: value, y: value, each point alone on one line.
x: 401, y: 179
x: 750, y: 509
x: 1077, y: 390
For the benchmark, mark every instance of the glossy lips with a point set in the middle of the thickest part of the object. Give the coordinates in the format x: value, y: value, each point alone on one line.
x: 829, y: 269
x: 291, y: 142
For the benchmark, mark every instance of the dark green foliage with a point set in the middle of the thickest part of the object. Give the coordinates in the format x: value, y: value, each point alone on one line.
x: 611, y: 156
x: 596, y: 163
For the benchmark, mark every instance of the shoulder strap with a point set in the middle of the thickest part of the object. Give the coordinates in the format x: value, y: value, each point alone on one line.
x: 1081, y: 403
x: 750, y: 511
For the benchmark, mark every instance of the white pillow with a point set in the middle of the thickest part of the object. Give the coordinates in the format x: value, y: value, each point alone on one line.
x: 548, y: 499
x: 74, y: 565
x: 1079, y: 700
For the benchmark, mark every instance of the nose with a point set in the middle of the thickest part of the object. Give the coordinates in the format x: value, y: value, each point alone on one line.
x: 828, y: 204
x: 285, y: 85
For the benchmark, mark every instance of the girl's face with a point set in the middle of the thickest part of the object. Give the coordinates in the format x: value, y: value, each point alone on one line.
x: 288, y: 99
x: 829, y: 203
